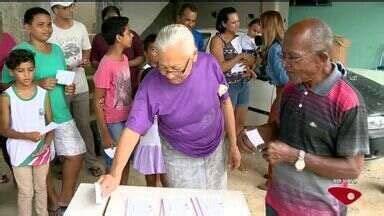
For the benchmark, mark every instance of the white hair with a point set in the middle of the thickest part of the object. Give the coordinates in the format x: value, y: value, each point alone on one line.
x: 321, y: 36
x: 176, y: 34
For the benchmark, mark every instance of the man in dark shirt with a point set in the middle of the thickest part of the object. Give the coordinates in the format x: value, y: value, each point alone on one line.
x: 322, y: 130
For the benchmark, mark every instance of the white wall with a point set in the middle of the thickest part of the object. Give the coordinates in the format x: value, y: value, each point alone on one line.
x: 282, y: 7
x: 206, y: 20
x: 141, y: 14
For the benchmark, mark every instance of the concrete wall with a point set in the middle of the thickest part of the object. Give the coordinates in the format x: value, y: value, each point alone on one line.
x: 141, y: 14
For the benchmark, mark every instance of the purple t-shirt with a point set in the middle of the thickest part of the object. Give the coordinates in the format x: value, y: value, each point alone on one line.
x: 190, y: 115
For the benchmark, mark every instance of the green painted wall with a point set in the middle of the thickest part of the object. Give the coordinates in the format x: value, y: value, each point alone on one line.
x: 361, y: 22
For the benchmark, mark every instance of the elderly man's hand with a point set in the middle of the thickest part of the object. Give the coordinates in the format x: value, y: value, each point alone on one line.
x: 279, y: 152
x: 244, y: 143
x: 234, y: 157
x: 70, y: 89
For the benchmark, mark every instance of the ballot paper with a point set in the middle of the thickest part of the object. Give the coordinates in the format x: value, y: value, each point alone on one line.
x: 236, y: 43
x: 65, y: 77
x: 110, y: 152
x: 209, y: 206
x: 139, y: 206
x: 254, y: 137
x: 179, y: 206
x: 174, y: 206
x: 51, y: 126
x: 98, y: 194
x: 238, y: 68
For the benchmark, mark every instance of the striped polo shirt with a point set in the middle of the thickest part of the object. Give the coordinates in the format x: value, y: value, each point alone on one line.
x: 329, y: 119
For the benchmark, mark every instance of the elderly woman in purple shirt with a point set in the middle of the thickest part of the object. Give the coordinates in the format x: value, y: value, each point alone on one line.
x: 188, y: 93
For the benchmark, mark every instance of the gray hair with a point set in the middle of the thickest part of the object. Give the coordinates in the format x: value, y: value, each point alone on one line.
x: 176, y: 34
x: 320, y: 36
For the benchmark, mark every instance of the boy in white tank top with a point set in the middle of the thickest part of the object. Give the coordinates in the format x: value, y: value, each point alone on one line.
x: 25, y: 110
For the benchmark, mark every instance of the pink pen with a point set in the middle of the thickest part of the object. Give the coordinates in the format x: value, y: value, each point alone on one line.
x: 198, y: 205
x: 194, y: 208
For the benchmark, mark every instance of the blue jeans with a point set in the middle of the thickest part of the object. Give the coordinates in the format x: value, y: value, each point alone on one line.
x: 239, y: 93
x: 115, y: 130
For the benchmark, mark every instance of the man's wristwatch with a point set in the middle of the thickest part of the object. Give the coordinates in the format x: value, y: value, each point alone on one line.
x: 300, y: 163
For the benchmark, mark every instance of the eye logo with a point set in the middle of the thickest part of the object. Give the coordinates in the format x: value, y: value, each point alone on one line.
x: 344, y: 194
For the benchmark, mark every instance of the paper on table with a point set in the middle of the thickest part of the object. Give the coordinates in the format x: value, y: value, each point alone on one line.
x: 142, y: 206
x: 179, y: 206
x: 98, y: 196
x: 51, y: 126
x: 254, y: 137
x: 65, y: 77
x: 110, y: 152
x: 210, y: 206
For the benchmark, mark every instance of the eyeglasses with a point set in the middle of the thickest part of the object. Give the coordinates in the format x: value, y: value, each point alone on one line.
x: 164, y: 69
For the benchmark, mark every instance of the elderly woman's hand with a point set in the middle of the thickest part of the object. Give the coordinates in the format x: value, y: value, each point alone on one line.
x: 108, y: 184
x: 234, y: 157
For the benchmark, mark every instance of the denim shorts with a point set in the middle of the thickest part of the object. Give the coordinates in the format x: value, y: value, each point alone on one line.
x: 115, y: 130
x: 239, y: 93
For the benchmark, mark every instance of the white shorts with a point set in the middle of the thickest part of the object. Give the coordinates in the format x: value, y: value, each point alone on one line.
x: 68, y: 141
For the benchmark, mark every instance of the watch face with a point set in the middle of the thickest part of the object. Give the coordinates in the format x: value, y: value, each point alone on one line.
x: 300, y: 164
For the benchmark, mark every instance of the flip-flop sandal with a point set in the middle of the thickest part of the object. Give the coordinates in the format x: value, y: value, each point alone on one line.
x: 4, y: 179
x: 96, y: 171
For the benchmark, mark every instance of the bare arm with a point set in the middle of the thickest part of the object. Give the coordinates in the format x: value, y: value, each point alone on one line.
x: 99, y: 96
x: 128, y: 141
x: 230, y: 128
x: 229, y: 119
x: 136, y: 61
x: 216, y: 49
x: 48, y: 119
x: 6, y: 130
x: 330, y: 167
x: 345, y: 168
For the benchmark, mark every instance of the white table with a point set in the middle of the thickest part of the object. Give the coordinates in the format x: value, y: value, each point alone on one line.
x: 83, y: 203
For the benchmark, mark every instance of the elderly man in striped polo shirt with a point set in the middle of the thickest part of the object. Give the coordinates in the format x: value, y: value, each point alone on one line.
x: 322, y: 133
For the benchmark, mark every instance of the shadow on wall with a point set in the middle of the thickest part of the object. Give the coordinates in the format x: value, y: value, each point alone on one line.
x: 166, y: 16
